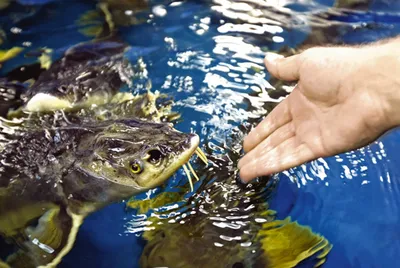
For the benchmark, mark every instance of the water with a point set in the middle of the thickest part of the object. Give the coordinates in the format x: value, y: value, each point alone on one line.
x: 208, y: 57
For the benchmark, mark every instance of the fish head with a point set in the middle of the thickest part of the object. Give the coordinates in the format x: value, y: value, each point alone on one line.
x: 137, y: 154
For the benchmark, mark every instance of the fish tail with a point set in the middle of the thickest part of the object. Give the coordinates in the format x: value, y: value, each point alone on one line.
x: 286, y: 244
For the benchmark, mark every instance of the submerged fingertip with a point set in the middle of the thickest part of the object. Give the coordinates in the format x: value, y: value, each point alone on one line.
x: 241, y: 179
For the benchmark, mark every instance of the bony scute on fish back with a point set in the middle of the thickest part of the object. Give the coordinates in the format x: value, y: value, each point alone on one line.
x: 90, y: 166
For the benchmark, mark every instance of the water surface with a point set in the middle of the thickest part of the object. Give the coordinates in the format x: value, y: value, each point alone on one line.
x: 208, y: 56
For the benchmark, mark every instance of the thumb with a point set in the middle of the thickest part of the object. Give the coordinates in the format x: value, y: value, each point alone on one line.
x: 283, y: 68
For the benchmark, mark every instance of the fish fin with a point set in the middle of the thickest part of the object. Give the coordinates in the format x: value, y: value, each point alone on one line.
x: 89, y: 17
x: 92, y: 31
x: 141, y: 106
x: 3, y: 5
x: 92, y: 23
x: 49, y: 241
x: 12, y: 221
x: 77, y: 221
x: 160, y: 200
x: 45, y: 58
x: 108, y: 17
x: 97, y: 23
x: 7, y: 54
x: 287, y: 243
x: 3, y: 264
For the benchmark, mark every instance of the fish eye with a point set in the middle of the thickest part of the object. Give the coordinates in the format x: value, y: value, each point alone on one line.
x: 136, y: 166
x: 154, y: 156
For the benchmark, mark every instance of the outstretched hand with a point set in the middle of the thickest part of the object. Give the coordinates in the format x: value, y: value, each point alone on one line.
x: 337, y: 105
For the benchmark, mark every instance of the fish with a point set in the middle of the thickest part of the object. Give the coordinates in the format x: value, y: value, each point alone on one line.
x: 51, y: 179
x: 88, y: 74
x: 76, y: 144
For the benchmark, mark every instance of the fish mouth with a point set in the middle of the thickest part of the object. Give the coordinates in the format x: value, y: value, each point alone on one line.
x: 193, y: 143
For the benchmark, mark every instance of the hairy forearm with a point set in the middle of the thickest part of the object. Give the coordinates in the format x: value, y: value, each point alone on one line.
x: 377, y: 70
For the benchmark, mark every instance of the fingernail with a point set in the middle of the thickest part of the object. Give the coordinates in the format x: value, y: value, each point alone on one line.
x: 272, y: 57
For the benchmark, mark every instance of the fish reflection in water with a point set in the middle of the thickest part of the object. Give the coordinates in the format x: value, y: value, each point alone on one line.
x: 224, y: 223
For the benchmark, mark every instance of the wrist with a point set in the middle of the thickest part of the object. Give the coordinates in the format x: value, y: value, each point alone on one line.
x: 377, y: 76
x: 387, y: 66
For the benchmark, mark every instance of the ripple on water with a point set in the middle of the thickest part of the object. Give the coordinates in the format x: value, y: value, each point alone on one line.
x: 228, y: 85
x: 352, y: 198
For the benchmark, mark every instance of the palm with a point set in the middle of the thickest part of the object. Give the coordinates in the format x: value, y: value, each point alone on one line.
x: 326, y: 128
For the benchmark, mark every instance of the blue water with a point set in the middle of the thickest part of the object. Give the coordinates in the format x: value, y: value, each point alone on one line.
x: 210, y: 63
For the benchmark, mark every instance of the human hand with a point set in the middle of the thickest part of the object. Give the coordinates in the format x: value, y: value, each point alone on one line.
x: 344, y: 99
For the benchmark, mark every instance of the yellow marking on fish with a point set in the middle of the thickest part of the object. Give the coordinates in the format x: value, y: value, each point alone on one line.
x: 42, y: 102
x: 93, y: 22
x: 3, y: 264
x: 45, y: 59
x: 45, y: 102
x: 92, y: 31
x: 5, y: 55
x: 77, y: 221
x: 88, y: 17
x: 123, y: 96
x: 4, y: 4
x: 287, y: 243
x: 108, y: 16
